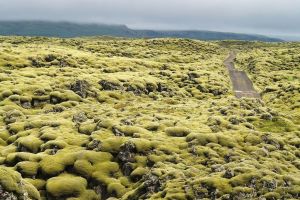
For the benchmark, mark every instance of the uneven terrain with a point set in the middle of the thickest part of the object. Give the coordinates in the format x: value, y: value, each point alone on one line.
x: 110, y: 118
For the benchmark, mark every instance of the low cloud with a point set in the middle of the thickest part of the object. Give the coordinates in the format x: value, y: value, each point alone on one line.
x: 252, y: 16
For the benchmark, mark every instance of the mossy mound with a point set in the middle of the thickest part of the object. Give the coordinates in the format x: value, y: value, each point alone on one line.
x: 12, y: 181
x: 28, y: 168
x: 29, y: 143
x: 112, y: 118
x: 66, y: 185
x: 177, y: 131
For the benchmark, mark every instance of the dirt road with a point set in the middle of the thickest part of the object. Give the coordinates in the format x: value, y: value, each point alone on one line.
x: 242, y: 85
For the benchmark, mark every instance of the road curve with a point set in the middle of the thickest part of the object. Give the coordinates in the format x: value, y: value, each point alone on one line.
x: 242, y: 85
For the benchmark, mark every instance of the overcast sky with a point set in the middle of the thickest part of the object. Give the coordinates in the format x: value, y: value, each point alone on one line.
x: 250, y: 16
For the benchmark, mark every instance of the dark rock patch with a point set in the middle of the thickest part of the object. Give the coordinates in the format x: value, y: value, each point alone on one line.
x: 79, y: 117
x: 80, y: 87
x: 126, y: 157
x: 106, y: 85
x: 4, y: 195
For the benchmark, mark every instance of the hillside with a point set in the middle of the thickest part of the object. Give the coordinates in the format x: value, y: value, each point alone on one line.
x: 65, y: 29
x: 109, y: 118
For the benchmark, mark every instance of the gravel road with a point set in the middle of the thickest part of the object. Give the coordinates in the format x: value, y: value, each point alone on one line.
x: 242, y: 85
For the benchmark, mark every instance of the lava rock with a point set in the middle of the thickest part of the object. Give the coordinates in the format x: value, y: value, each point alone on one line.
x: 7, y: 195
x: 127, y: 153
x: 152, y: 183
x: 229, y: 174
x: 80, y: 87
x: 117, y: 132
x: 94, y: 145
x: 127, y: 169
x: 79, y: 117
x: 106, y: 85
x: 136, y: 91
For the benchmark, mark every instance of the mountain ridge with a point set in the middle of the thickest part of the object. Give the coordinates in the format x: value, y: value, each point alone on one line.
x: 71, y: 29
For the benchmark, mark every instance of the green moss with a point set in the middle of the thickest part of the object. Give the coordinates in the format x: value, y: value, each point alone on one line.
x: 106, y: 168
x: 6, y: 93
x: 87, y: 194
x: 13, y: 182
x: 141, y: 145
x: 84, y: 168
x: 16, y: 127
x: 130, y: 130
x: 33, y: 193
x: 30, y: 142
x: 28, y: 168
x: 205, y: 152
x: 276, y: 125
x: 2, y: 142
x: 140, y: 160
x: 52, y: 167
x: 177, y: 131
x: 12, y: 158
x: 58, y: 97
x: 103, y: 172
x: 115, y: 95
x: 202, y: 138
x: 156, y: 158
x: 153, y: 126
x: 295, y: 190
x: 94, y: 157
x: 113, y: 144
x: 221, y: 184
x: 55, y: 164
x: 139, y: 172
x: 161, y: 126
x: 69, y: 104
x: 66, y: 185
x: 60, y: 144
x: 9, y: 179
x: 8, y: 150
x: 87, y: 128
x: 272, y: 195
x: 253, y: 139
x: 105, y: 123
x: 243, y: 178
x: 116, y: 189
x: 39, y: 184
x: 243, y: 190
x: 125, y: 181
x: 4, y: 135
x: 2, y: 160
x: 226, y: 141
x: 177, y: 196
x: 48, y: 136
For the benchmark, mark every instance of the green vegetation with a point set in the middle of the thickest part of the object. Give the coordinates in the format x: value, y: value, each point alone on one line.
x: 99, y: 118
x: 66, y: 185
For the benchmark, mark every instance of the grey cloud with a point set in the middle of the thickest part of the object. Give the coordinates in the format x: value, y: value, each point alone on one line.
x: 253, y: 16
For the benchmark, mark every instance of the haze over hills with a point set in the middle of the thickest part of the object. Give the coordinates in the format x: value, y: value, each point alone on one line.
x: 287, y: 37
x: 69, y: 29
x: 136, y: 100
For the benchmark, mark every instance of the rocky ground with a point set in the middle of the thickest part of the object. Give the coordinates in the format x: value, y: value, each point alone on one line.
x: 108, y: 118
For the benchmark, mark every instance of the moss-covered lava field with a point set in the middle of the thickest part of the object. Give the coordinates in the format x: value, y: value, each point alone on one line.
x: 110, y: 118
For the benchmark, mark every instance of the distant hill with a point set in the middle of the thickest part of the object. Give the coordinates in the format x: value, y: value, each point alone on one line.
x: 67, y: 29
